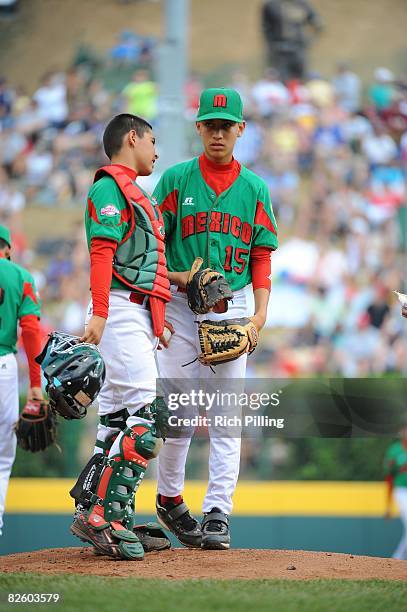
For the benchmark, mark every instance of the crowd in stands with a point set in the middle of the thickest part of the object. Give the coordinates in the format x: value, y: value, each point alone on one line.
x: 334, y: 154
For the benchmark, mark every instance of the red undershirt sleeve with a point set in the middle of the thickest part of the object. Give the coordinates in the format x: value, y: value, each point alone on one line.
x: 260, y: 263
x: 101, y: 260
x: 31, y: 337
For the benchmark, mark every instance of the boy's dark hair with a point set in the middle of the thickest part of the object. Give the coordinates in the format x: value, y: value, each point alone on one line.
x: 118, y: 127
x: 3, y: 244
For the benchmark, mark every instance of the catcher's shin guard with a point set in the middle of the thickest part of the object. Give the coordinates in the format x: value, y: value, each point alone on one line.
x: 151, y: 535
x: 103, y: 525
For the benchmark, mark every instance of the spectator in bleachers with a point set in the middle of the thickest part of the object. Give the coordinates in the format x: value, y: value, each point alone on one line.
x: 347, y: 88
x: 336, y: 174
x: 270, y: 94
x: 141, y: 96
x: 51, y: 99
x: 381, y: 92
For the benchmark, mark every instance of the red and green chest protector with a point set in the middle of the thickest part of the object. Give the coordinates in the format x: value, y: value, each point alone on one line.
x: 139, y: 261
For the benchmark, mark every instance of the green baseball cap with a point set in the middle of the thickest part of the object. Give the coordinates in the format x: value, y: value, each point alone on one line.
x: 5, y: 234
x: 220, y: 103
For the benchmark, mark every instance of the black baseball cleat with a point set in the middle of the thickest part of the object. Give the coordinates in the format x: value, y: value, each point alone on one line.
x: 177, y: 519
x: 215, y: 530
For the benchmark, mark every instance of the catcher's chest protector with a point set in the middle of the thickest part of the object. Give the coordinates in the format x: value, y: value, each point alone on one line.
x: 139, y: 260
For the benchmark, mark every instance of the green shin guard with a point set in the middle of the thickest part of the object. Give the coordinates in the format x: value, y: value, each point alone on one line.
x: 116, y: 488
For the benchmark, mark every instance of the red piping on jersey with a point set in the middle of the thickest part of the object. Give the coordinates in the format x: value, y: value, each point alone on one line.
x: 31, y: 337
x: 262, y: 218
x: 219, y: 177
x: 170, y: 203
x: 28, y: 291
x: 124, y: 214
x: 92, y: 211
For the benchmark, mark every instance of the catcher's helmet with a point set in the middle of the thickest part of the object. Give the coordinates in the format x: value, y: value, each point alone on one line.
x: 75, y: 373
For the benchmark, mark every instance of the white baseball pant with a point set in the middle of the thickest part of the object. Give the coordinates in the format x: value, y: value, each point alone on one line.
x: 400, y: 494
x: 224, y: 452
x: 8, y: 418
x: 128, y: 348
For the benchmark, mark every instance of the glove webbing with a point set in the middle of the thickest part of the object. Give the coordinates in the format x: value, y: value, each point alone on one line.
x: 218, y: 346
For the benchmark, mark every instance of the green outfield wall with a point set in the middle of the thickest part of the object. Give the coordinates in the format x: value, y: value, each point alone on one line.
x: 357, y: 536
x: 342, y: 517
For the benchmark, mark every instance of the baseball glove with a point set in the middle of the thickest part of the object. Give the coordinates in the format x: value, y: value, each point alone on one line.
x: 207, y: 289
x: 36, y: 427
x: 223, y: 341
x: 152, y: 537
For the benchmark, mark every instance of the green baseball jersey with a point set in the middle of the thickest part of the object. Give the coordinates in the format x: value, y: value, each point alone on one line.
x: 18, y: 298
x: 221, y: 229
x: 395, y: 463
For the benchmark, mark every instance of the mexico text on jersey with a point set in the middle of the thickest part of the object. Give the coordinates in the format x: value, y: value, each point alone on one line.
x: 222, y: 229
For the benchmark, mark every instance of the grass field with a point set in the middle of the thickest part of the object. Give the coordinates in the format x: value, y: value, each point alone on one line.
x: 96, y: 593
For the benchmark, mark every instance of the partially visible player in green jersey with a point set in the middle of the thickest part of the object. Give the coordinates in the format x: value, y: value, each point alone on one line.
x: 19, y: 304
x: 395, y: 470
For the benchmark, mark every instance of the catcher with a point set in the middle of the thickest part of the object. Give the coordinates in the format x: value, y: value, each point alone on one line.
x: 75, y: 373
x: 216, y: 209
x: 19, y: 303
x: 126, y: 320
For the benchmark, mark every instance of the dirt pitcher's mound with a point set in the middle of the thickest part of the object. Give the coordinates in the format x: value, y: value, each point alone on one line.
x: 179, y: 564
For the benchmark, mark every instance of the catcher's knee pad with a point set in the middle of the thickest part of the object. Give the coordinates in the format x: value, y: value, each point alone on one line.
x: 141, y: 440
x: 124, y: 472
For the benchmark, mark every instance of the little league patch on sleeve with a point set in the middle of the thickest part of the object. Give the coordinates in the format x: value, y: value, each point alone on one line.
x: 109, y: 211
